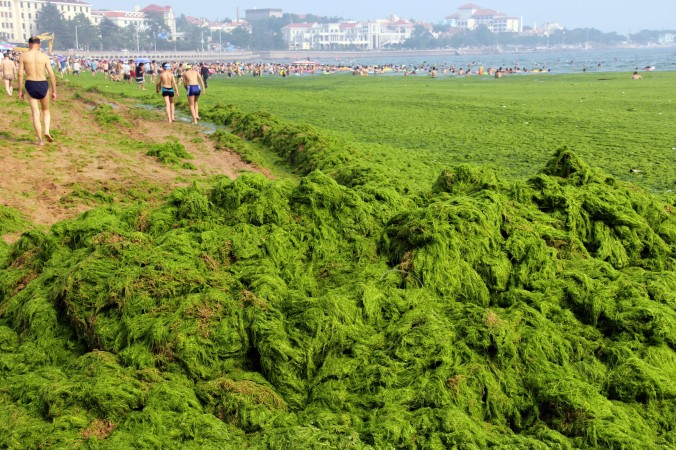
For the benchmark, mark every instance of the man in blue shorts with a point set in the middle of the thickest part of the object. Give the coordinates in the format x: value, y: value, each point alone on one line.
x: 194, y: 84
x: 35, y: 64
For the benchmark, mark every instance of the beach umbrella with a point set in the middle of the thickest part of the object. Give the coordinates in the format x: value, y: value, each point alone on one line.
x: 4, y: 45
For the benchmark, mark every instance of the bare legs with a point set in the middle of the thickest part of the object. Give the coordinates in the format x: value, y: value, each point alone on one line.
x: 169, y: 107
x: 9, y: 87
x: 35, y: 115
x: 194, y: 108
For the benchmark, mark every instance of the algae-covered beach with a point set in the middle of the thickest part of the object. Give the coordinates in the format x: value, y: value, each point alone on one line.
x: 405, y: 263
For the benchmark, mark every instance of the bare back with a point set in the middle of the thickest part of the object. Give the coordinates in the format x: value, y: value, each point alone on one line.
x: 167, y: 79
x: 191, y: 78
x: 8, y: 67
x: 35, y: 64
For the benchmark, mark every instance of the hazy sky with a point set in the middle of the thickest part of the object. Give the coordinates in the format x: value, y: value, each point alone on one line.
x: 607, y: 15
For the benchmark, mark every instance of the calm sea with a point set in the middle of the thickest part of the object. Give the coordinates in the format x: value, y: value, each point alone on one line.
x: 562, y: 61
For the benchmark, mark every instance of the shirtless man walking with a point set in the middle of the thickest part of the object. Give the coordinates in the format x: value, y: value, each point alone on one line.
x: 35, y: 63
x: 167, y: 84
x: 8, y: 73
x: 192, y: 80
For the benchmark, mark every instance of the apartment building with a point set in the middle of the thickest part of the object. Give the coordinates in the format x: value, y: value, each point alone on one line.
x: 120, y: 18
x: 471, y: 16
x: 18, y: 18
x: 369, y: 35
x: 138, y: 18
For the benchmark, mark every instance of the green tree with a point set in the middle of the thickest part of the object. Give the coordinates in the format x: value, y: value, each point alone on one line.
x: 50, y: 20
x: 156, y: 26
x: 132, y: 37
x: 191, y: 34
x: 267, y: 34
x: 421, y: 39
x: 87, y: 34
x: 645, y: 37
x: 483, y: 37
x: 112, y: 37
x: 240, y: 37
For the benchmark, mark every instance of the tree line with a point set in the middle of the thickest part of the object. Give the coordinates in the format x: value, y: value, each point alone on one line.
x: 443, y: 37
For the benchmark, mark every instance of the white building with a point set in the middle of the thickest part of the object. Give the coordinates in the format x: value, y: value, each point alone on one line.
x: 666, y: 38
x: 120, y: 18
x: 471, y: 16
x: 138, y: 18
x: 371, y: 35
x: 18, y: 18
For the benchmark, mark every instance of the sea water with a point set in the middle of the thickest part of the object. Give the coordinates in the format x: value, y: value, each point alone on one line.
x: 560, y: 61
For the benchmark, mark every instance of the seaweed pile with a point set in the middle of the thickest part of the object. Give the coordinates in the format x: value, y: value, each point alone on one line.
x: 266, y: 314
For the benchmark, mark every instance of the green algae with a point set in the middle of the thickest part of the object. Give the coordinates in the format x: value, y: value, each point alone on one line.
x: 422, y: 126
x: 11, y: 221
x: 105, y: 115
x: 269, y: 314
x: 171, y: 153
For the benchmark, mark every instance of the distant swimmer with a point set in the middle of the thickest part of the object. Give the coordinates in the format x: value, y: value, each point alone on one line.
x: 35, y: 65
x: 194, y: 84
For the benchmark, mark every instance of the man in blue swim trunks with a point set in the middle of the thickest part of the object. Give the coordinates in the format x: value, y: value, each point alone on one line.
x: 167, y: 84
x: 35, y: 65
x: 193, y: 82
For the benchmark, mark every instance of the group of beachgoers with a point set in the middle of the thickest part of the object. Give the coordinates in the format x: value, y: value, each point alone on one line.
x: 36, y: 69
x: 166, y: 76
x: 128, y: 70
x: 34, y: 66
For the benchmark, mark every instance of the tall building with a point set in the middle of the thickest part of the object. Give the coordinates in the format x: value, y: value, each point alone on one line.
x: 18, y: 18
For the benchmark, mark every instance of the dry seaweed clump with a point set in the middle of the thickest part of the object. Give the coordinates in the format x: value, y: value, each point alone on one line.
x: 267, y: 314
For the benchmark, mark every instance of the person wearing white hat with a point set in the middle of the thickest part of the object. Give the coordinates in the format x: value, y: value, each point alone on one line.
x: 166, y: 83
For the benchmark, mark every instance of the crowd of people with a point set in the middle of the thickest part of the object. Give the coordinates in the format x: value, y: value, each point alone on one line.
x: 129, y: 70
x: 35, y: 66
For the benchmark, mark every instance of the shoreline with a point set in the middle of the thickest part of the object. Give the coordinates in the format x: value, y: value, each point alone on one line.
x: 273, y: 55
x: 470, y: 51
